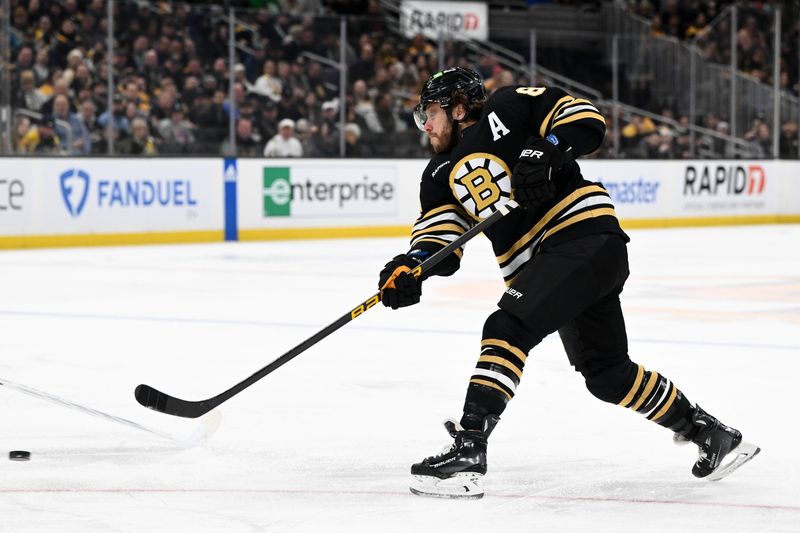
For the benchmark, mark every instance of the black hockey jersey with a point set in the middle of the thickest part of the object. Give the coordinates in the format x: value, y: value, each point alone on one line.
x: 470, y: 182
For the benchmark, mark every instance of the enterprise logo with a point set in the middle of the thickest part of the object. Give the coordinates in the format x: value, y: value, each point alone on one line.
x: 11, y: 194
x: 323, y: 194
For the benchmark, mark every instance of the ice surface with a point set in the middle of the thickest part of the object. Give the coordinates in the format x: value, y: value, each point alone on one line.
x: 324, y: 443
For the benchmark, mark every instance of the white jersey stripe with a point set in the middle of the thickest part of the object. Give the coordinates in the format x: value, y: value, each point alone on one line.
x: 453, y: 217
x: 448, y: 237
x: 570, y: 110
x: 588, y: 202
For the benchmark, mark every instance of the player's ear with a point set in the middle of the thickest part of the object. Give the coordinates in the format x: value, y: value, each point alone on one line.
x: 459, y: 112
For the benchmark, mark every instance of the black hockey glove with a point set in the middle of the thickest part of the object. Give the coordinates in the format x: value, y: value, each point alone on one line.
x: 532, y: 178
x: 399, y: 287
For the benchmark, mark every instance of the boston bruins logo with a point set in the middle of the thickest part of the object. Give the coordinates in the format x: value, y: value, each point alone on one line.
x: 482, y: 183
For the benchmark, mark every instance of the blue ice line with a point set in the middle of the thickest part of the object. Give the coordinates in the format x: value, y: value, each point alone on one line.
x: 371, y: 328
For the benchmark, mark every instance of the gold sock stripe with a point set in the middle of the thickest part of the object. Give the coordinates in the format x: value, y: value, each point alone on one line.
x: 503, y: 344
x: 490, y: 385
x: 660, y: 394
x: 502, y: 362
x: 631, y: 393
x: 647, y: 390
x: 666, y: 405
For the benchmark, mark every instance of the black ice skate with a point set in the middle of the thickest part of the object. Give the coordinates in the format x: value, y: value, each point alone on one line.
x: 457, y: 471
x: 721, y: 448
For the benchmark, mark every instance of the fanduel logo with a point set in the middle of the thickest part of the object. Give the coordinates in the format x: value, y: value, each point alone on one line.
x: 76, y: 187
x: 75, y: 190
x: 721, y: 180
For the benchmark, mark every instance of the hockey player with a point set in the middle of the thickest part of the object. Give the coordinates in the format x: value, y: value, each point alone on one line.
x: 563, y: 258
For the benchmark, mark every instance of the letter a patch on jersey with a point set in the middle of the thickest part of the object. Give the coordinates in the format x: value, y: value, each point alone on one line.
x: 498, y: 128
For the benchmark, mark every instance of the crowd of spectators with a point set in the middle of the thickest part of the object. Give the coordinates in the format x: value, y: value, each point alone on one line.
x: 693, y: 20
x: 173, y: 81
x: 666, y: 136
x: 704, y: 25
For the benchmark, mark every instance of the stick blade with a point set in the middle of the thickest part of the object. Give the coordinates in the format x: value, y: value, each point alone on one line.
x: 156, y: 400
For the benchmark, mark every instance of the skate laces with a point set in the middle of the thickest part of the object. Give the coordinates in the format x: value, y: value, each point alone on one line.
x: 454, y: 429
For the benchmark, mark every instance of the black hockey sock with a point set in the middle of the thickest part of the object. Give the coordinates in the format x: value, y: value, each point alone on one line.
x: 658, y: 399
x: 493, y: 382
x: 497, y: 374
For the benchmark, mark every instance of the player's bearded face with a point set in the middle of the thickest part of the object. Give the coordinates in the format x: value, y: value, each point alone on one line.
x: 438, y: 127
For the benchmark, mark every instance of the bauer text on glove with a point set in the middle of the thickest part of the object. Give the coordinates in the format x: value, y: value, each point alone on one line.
x: 532, y: 179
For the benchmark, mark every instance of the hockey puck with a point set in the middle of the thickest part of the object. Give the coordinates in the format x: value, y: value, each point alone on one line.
x: 19, y: 455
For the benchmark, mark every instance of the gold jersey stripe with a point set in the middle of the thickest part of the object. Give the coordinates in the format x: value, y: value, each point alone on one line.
x: 543, y: 128
x: 575, y: 103
x: 503, y: 344
x: 578, y: 116
x: 594, y: 213
x: 636, y: 383
x: 447, y: 226
x: 647, y: 390
x: 607, y: 211
x: 490, y: 384
x: 525, y: 239
x: 502, y: 362
x: 661, y: 412
x: 441, y: 209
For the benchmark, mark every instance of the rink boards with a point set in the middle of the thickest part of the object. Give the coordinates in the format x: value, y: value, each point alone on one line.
x: 98, y: 201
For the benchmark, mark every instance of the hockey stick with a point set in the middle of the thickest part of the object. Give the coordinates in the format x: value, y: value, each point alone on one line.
x: 164, y: 403
x: 196, y: 437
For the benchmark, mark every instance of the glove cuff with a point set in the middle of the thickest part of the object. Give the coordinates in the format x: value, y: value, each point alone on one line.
x: 564, y: 152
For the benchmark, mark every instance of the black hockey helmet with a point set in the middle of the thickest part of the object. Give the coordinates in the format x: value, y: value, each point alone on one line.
x: 443, y: 86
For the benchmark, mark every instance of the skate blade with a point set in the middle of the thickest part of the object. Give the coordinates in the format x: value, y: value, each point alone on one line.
x: 466, y: 486
x: 740, y: 455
